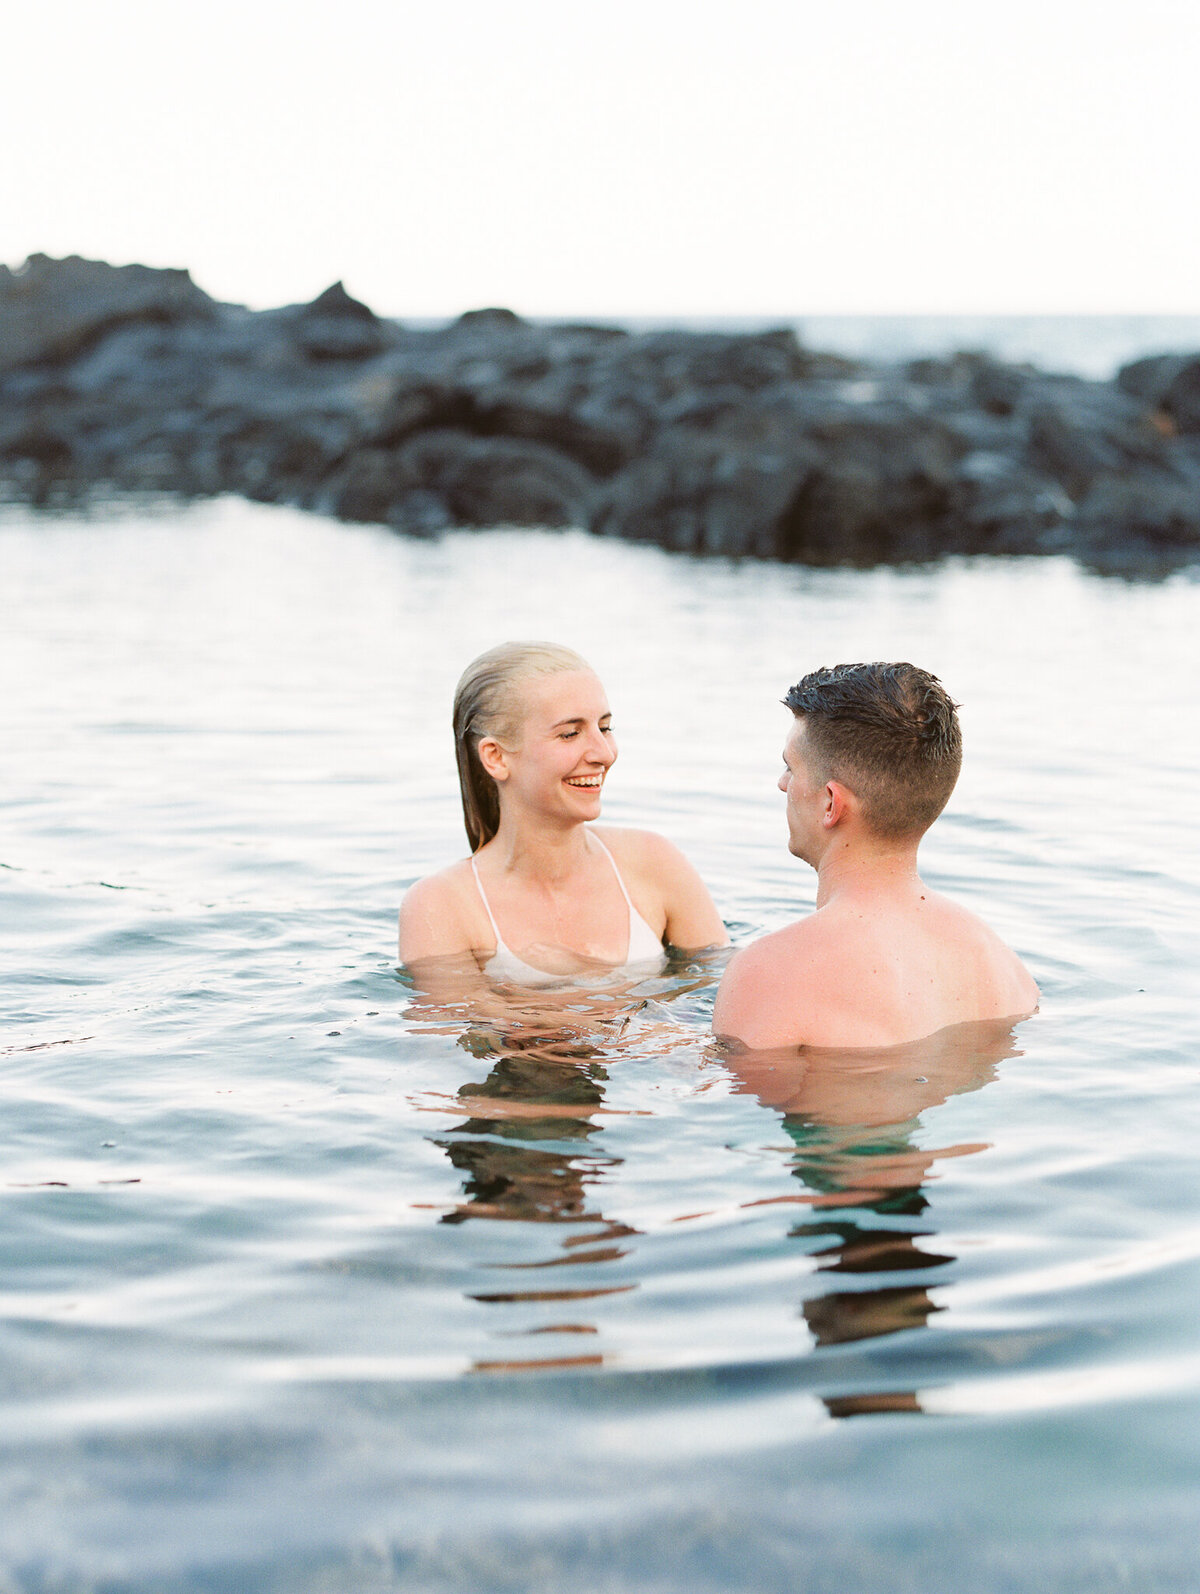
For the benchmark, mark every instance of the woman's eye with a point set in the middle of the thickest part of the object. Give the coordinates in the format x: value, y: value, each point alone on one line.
x: 607, y: 729
x: 567, y: 735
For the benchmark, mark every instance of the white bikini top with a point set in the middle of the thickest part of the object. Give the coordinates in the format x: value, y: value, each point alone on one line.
x: 644, y: 955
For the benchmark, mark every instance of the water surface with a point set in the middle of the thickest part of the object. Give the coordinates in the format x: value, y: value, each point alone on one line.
x: 305, y: 1287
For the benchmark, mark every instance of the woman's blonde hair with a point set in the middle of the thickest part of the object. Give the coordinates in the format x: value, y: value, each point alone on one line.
x: 486, y: 703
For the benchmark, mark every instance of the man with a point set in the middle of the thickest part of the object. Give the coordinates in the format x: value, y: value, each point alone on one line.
x: 871, y: 760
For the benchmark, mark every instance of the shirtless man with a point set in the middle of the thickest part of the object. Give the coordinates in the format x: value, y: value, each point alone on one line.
x: 871, y: 760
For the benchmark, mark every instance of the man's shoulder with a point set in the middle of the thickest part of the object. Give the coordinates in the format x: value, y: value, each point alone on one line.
x: 995, y: 964
x: 764, y: 982
x: 796, y: 946
x: 956, y: 918
x: 963, y: 928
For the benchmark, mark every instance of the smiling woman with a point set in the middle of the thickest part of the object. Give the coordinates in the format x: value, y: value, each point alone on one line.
x: 545, y: 898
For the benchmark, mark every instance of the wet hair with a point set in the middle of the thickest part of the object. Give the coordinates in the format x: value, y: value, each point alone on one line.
x: 890, y: 733
x: 487, y: 703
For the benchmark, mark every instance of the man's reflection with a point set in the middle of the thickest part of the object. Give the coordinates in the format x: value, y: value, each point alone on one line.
x: 852, y: 1116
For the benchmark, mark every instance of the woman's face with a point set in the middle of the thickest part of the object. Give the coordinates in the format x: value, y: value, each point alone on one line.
x: 564, y: 748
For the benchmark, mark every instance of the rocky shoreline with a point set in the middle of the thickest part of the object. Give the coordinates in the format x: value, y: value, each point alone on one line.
x: 134, y: 379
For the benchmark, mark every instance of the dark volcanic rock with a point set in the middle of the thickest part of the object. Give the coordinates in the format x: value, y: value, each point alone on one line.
x: 54, y: 309
x: 1171, y: 384
x: 1150, y: 378
x: 490, y: 319
x: 453, y: 479
x: 598, y: 441
x: 999, y: 505
x: 704, y: 442
x: 1181, y: 401
x: 880, y: 492
x: 1080, y: 431
x: 704, y: 494
x: 336, y: 327
x: 1157, y: 509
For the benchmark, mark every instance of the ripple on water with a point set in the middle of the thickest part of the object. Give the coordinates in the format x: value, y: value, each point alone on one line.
x: 305, y: 1287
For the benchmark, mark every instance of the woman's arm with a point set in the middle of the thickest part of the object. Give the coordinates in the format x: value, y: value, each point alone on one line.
x: 692, y: 917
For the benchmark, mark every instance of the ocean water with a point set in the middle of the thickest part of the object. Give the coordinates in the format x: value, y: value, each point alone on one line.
x: 1093, y: 346
x: 307, y: 1288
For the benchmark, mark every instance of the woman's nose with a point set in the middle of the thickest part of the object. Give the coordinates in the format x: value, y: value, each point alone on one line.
x: 602, y: 750
x: 782, y: 782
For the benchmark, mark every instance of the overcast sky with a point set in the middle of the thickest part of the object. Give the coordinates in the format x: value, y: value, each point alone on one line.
x: 647, y: 157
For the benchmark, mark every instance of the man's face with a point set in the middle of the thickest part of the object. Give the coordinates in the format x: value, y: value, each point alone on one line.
x: 804, y: 793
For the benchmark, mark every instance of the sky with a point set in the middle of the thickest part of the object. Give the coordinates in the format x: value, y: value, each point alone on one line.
x: 636, y: 158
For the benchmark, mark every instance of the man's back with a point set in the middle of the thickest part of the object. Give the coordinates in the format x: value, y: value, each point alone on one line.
x: 871, y: 970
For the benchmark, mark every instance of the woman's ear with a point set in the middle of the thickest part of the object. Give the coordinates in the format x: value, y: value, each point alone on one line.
x: 493, y: 758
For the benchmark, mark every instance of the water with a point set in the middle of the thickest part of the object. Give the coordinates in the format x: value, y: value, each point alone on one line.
x: 306, y: 1290
x: 1094, y: 346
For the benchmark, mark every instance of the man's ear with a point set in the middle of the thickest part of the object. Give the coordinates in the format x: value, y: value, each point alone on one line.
x: 493, y: 758
x: 838, y: 802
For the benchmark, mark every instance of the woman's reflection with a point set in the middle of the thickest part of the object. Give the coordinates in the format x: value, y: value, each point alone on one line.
x: 509, y: 1174
x: 852, y: 1116
x: 527, y: 1151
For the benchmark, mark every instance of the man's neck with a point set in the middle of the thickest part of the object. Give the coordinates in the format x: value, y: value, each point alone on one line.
x: 868, y: 869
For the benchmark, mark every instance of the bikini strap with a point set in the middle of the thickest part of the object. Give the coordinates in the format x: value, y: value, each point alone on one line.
x: 487, y: 907
x: 616, y: 871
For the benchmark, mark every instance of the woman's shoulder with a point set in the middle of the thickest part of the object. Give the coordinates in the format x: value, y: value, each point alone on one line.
x: 643, y: 851
x: 451, y: 881
x: 664, y: 887
x: 436, y: 913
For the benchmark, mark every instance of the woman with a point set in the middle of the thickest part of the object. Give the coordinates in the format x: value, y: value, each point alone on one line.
x: 546, y: 898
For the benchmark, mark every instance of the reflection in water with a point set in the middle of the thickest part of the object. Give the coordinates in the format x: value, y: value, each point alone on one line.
x: 528, y: 1148
x: 509, y: 1174
x: 852, y: 1116
x: 841, y: 1316
x: 532, y: 1162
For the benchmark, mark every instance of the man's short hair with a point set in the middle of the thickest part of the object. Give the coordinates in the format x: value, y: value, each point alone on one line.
x: 890, y: 733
